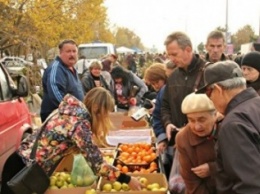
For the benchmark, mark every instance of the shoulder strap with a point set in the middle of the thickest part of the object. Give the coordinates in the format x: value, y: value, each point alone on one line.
x: 199, y: 76
x: 33, y: 152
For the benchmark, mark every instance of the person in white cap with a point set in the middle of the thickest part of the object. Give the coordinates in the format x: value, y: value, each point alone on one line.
x: 195, y: 144
x: 238, y: 145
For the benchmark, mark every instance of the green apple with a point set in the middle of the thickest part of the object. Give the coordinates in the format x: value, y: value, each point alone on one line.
x: 64, y: 187
x: 163, y: 189
x: 117, y: 186
x: 53, y: 180
x: 125, y: 187
x: 53, y: 187
x: 88, y: 180
x: 107, y: 187
x: 143, y: 181
x: 79, y: 181
x: 70, y: 185
x: 149, y: 187
x: 59, y: 183
x: 91, y: 191
x: 155, y: 189
x: 155, y: 185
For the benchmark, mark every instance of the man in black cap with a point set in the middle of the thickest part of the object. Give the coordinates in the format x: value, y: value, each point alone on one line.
x: 238, y: 145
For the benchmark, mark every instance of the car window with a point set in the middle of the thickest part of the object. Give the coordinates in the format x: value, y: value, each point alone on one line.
x: 5, y: 92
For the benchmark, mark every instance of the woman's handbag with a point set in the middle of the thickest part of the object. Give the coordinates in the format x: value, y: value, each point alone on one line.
x: 32, y: 179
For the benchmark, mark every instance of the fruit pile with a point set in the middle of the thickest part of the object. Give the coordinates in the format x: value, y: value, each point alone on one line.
x: 138, y: 157
x: 119, y: 187
x: 60, y: 180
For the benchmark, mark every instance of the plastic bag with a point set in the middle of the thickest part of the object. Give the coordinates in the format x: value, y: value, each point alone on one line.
x: 176, y: 182
x: 82, y: 175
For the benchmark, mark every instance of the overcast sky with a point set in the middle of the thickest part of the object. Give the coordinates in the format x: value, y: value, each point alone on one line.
x: 153, y: 20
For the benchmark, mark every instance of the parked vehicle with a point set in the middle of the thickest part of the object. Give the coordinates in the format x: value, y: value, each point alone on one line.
x: 94, y: 51
x: 15, y: 65
x: 15, y: 117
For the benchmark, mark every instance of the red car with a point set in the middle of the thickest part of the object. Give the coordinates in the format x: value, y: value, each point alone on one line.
x: 15, y: 117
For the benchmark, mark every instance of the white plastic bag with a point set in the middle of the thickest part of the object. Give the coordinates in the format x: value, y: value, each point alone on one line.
x: 176, y: 183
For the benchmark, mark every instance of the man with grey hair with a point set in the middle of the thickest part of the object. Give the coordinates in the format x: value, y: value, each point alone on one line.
x: 184, y: 80
x: 215, y: 47
x: 238, y: 145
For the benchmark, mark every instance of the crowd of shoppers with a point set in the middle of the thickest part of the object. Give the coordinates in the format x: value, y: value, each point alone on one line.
x: 224, y: 118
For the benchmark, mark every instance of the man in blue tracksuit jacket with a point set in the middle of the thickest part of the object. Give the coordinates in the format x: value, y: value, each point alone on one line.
x: 61, y: 78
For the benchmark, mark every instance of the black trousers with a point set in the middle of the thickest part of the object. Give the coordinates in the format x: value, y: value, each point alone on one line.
x: 12, y: 166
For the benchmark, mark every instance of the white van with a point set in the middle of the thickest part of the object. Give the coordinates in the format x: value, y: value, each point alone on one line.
x: 93, y: 51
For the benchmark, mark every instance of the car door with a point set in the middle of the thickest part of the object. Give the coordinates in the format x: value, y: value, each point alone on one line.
x: 14, y: 113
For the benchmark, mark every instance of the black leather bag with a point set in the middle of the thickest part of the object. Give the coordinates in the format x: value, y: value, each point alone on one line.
x: 31, y: 179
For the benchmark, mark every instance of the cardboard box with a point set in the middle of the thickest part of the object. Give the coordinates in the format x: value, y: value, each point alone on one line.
x: 152, y: 178
x: 129, y: 136
x: 121, y: 120
x: 66, y: 166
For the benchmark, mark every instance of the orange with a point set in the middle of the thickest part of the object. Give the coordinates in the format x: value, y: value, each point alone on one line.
x: 119, y: 166
x: 124, y: 169
x: 147, y: 158
x: 153, y: 165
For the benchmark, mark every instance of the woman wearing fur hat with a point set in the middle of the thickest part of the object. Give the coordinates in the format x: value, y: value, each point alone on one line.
x: 251, y: 68
x: 195, y: 144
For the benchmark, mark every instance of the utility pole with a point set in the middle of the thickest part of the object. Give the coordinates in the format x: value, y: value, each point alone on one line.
x: 227, y: 33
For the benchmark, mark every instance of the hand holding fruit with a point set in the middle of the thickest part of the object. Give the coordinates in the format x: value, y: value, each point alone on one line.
x: 132, y: 101
x: 135, y: 184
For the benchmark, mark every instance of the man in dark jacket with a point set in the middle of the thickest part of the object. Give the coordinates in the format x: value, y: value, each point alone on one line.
x: 183, y: 81
x: 238, y: 145
x: 61, y: 78
x: 215, y: 47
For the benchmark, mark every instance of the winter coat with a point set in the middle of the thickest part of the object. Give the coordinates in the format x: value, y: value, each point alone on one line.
x: 89, y: 83
x: 255, y: 85
x: 194, y: 151
x: 238, y: 145
x: 179, y: 85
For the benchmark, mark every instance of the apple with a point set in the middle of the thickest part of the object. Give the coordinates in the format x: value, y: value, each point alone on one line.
x: 143, y: 181
x: 162, y: 189
x: 53, y: 180
x: 107, y: 187
x: 91, y: 191
x: 132, y: 101
x: 53, y: 187
x: 64, y: 187
x: 70, y: 185
x: 125, y: 187
x: 155, y: 189
x: 155, y: 185
x: 117, y: 186
x: 79, y: 181
x: 59, y: 183
x: 88, y: 180
x: 149, y: 187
